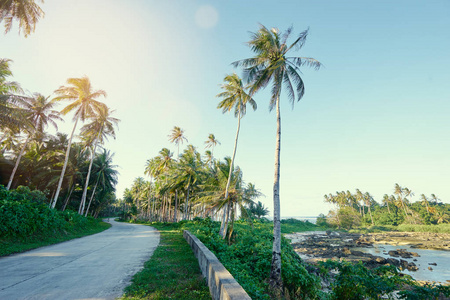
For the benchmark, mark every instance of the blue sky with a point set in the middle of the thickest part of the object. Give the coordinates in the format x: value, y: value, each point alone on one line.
x: 376, y: 114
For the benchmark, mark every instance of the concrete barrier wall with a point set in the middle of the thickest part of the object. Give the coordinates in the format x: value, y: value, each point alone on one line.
x: 221, y: 284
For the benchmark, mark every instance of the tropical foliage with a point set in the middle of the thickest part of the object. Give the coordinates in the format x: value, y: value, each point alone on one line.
x: 73, y: 175
x: 189, y: 186
x: 26, y: 12
x: 356, y: 209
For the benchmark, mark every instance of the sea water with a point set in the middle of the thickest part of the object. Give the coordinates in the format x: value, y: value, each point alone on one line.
x: 439, y: 273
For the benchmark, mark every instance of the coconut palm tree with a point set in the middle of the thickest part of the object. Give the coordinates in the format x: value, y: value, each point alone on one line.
x: 258, y: 210
x: 187, y: 174
x: 11, y: 116
x: 368, y: 199
x: 234, y: 97
x: 26, y: 12
x: 105, y: 173
x: 272, y: 64
x: 386, y: 201
x: 83, y: 102
x: 97, y: 131
x: 211, y: 142
x: 399, y: 191
x: 177, y: 136
x: 40, y: 112
x: 425, y: 202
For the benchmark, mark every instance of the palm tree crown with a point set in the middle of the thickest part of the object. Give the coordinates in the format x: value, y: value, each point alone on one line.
x: 177, y: 137
x: 235, y: 96
x: 26, y: 12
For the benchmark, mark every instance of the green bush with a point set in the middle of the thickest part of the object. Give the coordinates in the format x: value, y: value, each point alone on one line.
x: 356, y: 282
x: 24, y: 214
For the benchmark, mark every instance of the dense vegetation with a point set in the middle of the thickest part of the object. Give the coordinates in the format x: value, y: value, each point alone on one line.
x: 361, y: 209
x: 26, y: 222
x: 190, y: 186
x: 73, y: 175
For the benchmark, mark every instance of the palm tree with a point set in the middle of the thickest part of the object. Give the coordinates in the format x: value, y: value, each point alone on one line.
x: 425, y: 202
x: 258, y: 210
x: 26, y: 12
x: 272, y: 64
x: 84, y: 104
x: 97, y: 131
x: 398, y: 190
x: 368, y: 199
x: 386, y: 201
x: 177, y: 137
x: 39, y: 110
x: 105, y: 173
x: 211, y: 142
x: 187, y: 174
x: 11, y: 116
x: 234, y: 97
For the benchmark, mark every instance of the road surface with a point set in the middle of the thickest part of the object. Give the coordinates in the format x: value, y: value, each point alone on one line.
x: 94, y: 267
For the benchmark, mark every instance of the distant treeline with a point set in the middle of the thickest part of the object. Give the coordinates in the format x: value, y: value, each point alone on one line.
x: 360, y: 208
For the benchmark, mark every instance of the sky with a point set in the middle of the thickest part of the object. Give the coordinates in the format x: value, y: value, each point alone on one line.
x: 374, y: 115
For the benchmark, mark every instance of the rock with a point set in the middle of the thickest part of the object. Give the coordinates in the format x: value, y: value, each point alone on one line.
x: 430, y: 268
x: 346, y: 251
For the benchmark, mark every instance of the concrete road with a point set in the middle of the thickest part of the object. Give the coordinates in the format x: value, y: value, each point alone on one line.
x: 94, y: 267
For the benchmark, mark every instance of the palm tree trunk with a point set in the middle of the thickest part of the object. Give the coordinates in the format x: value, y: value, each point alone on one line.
x: 187, y: 203
x: 92, y: 197
x: 58, y: 189
x: 370, y: 213
x: 176, y: 207
x: 275, y: 271
x: 83, y: 198
x: 68, y: 198
x: 224, y: 224
x: 149, y: 200
x: 11, y: 178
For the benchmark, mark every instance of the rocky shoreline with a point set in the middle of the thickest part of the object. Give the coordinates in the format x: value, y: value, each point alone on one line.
x: 323, y: 245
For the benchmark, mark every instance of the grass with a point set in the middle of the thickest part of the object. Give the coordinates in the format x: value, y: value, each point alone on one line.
x: 293, y: 226
x: 171, y: 273
x: 440, y: 228
x: 16, y: 245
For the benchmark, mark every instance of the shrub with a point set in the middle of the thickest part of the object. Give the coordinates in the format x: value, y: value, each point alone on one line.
x: 24, y: 214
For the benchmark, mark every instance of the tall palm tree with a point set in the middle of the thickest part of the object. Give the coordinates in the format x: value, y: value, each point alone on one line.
x: 386, y: 201
x: 177, y: 136
x: 84, y: 104
x: 272, y: 64
x: 368, y: 199
x: 211, y: 142
x: 40, y: 112
x: 187, y: 174
x: 234, y: 97
x: 399, y: 191
x: 26, y: 12
x: 425, y: 202
x: 97, y: 131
